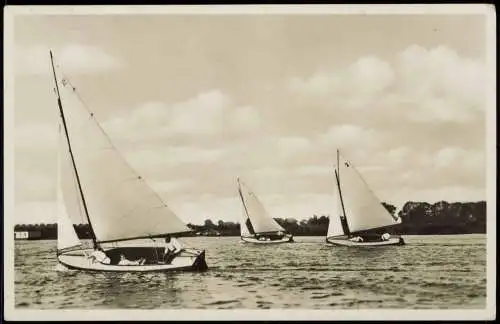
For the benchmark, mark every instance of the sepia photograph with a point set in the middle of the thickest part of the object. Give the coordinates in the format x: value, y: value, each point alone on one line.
x: 250, y: 162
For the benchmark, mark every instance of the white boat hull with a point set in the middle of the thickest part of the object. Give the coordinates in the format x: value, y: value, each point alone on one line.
x: 251, y: 239
x: 189, y: 260
x: 344, y: 241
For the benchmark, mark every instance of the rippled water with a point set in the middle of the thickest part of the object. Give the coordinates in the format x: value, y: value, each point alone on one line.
x: 429, y: 272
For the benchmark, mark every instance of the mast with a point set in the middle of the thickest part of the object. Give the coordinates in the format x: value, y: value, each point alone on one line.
x: 343, y: 218
x: 250, y: 228
x: 61, y: 111
x: 338, y: 168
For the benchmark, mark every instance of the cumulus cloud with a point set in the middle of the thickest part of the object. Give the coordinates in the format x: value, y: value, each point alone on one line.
x: 399, y: 155
x: 293, y: 143
x: 320, y: 83
x: 441, y: 72
x: 170, y: 186
x: 368, y: 76
x: 74, y: 58
x: 365, y: 77
x: 268, y: 172
x: 460, y: 165
x: 171, y: 156
x: 203, y: 114
x: 452, y: 162
x: 310, y: 170
x: 207, y: 114
x: 433, y: 195
x: 351, y: 136
x: 245, y: 119
x: 422, y: 85
x: 431, y: 169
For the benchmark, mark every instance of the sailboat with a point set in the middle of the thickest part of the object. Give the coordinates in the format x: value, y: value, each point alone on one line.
x: 358, y: 211
x: 256, y: 225
x: 123, y: 213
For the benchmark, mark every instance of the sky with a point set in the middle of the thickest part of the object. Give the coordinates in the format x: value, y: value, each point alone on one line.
x: 192, y: 102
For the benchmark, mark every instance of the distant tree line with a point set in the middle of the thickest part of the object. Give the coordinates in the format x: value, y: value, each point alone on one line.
x: 417, y: 218
x: 49, y: 231
x: 442, y: 218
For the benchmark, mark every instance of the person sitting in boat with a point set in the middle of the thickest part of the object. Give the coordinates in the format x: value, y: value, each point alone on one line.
x: 385, y: 237
x: 273, y: 237
x: 99, y: 256
x: 356, y: 239
x: 172, y: 249
x: 125, y: 261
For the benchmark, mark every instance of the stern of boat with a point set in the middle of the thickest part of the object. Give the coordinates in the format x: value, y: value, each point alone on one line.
x: 200, y: 264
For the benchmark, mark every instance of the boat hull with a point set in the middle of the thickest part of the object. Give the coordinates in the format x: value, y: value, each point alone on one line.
x: 189, y: 260
x: 285, y: 239
x: 344, y: 241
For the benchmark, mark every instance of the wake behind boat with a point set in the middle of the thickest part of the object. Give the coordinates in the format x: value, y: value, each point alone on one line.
x: 256, y: 225
x: 95, y: 182
x: 359, y: 213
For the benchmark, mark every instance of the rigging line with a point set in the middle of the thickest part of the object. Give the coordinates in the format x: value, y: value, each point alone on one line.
x: 139, y: 177
x: 61, y: 112
x: 75, y: 187
x: 78, y: 199
x: 74, y: 182
x: 156, y: 250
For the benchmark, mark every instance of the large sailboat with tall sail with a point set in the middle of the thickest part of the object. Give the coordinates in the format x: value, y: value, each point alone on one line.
x: 256, y: 225
x: 359, y: 214
x: 125, y: 216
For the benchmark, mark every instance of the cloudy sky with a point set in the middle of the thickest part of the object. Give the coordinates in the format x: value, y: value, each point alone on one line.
x: 192, y: 102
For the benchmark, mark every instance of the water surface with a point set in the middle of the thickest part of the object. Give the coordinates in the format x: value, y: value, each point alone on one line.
x: 429, y: 272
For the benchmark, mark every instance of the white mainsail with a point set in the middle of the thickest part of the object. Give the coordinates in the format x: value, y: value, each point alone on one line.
x: 67, y: 198
x: 120, y: 203
x: 335, y: 225
x: 363, y: 209
x: 261, y: 221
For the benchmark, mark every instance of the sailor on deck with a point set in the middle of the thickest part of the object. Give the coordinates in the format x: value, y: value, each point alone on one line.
x: 99, y: 256
x: 172, y: 249
x: 125, y: 261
